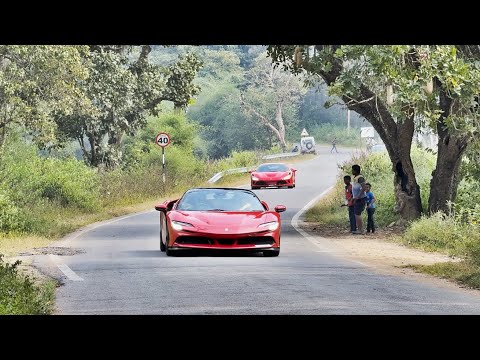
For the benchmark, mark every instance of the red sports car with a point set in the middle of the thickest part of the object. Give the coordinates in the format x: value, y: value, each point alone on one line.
x: 273, y: 175
x: 219, y: 219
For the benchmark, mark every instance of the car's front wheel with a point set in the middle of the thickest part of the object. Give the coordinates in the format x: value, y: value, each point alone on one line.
x: 168, y: 251
x: 162, y: 225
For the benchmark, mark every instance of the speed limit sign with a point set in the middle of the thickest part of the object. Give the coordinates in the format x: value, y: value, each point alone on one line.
x: 162, y: 139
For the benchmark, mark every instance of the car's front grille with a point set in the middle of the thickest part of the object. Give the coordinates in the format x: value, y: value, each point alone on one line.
x: 225, y: 241
x: 250, y: 240
x: 259, y: 240
x: 194, y: 240
x: 271, y: 183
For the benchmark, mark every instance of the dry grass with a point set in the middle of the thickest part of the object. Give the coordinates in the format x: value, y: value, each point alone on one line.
x: 10, y: 245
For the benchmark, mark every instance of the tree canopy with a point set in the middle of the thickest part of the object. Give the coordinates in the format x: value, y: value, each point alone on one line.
x: 399, y: 89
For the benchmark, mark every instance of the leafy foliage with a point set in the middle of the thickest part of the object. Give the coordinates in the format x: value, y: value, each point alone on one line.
x: 124, y: 94
x: 11, y: 217
x: 38, y: 82
x: 141, y: 148
x: 19, y: 295
x: 223, y: 124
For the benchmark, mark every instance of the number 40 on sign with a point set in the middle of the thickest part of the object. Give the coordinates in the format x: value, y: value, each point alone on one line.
x: 162, y: 139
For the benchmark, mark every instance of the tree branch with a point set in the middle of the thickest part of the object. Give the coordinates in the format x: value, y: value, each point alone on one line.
x: 262, y: 118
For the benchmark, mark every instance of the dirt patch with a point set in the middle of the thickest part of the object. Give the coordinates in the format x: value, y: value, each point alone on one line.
x: 380, y: 251
x: 53, y: 250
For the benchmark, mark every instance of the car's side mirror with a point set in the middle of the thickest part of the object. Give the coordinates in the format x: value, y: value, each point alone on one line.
x: 161, y: 207
x: 293, y: 169
x: 280, y: 208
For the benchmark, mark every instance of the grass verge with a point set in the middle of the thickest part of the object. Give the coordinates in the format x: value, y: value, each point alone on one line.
x: 20, y: 294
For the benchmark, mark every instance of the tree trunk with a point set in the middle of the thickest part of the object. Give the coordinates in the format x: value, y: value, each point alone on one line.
x: 177, y: 109
x: 281, y: 125
x: 3, y: 136
x: 408, y: 202
x: 445, y: 177
x: 264, y: 120
x: 93, y: 150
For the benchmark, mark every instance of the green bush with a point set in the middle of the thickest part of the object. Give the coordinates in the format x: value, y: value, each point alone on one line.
x: 240, y: 159
x: 19, y: 295
x: 11, y: 217
x: 30, y: 178
x: 436, y: 232
x: 468, y: 194
x: 70, y: 182
x: 141, y: 150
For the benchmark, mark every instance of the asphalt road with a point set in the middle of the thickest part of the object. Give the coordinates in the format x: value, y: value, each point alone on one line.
x: 119, y: 269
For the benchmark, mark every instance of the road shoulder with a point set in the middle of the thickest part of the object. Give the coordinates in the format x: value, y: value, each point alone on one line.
x: 380, y: 253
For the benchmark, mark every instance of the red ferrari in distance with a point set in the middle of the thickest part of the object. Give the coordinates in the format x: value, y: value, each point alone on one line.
x: 273, y: 175
x: 219, y: 219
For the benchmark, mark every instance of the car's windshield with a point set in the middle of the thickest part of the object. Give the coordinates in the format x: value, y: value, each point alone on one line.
x: 219, y: 200
x: 272, y: 168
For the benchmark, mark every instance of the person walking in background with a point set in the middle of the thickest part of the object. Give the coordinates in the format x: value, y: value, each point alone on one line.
x: 359, y: 197
x: 371, y: 199
x: 349, y: 202
x: 334, y: 145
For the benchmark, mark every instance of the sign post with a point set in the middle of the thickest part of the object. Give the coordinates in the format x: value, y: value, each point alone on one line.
x: 163, y: 140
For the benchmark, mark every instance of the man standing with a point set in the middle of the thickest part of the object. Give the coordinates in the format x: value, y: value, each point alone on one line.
x: 359, y: 197
x: 334, y: 145
x: 349, y: 202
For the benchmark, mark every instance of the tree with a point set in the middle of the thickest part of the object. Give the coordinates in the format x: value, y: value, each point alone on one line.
x: 399, y: 88
x: 274, y: 85
x: 223, y: 122
x: 124, y: 91
x: 180, y: 88
x: 38, y: 82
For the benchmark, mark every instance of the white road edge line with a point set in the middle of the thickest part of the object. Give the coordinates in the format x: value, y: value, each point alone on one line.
x: 69, y: 273
x: 295, y: 218
x: 295, y: 221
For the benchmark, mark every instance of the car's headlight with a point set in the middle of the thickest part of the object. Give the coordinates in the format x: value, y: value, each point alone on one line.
x: 180, y: 225
x: 288, y: 177
x: 254, y: 178
x: 272, y: 225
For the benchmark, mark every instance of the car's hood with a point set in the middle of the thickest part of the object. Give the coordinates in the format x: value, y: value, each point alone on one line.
x: 270, y: 175
x: 224, y: 222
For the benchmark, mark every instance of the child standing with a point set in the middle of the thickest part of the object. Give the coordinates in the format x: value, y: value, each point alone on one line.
x: 371, y: 199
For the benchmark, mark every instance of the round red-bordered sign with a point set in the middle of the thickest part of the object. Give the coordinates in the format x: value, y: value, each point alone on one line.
x: 162, y: 139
